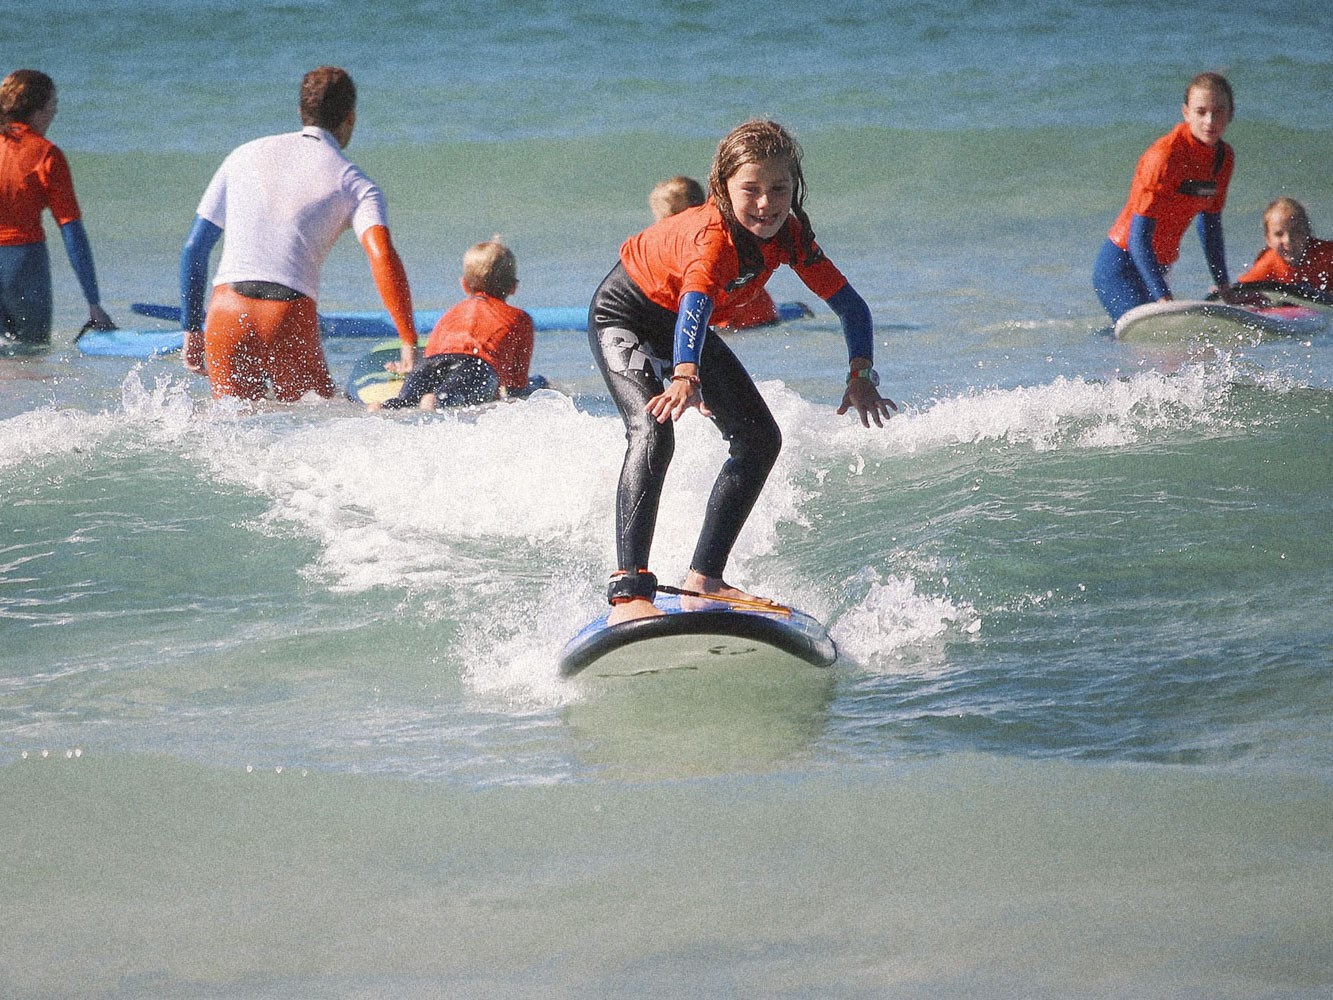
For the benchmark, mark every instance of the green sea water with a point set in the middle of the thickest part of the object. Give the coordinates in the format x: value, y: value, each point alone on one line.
x: 279, y: 710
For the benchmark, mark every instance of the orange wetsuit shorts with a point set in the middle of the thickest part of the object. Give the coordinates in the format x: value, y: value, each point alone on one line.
x: 252, y: 343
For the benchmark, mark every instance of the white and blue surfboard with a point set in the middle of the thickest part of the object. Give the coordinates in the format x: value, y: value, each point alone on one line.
x: 717, y: 636
x: 1219, y: 323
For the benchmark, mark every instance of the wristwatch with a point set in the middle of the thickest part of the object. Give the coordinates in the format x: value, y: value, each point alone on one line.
x: 869, y: 374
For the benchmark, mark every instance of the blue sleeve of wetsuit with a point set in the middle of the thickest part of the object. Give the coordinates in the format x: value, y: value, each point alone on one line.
x: 1209, y: 225
x: 1141, y: 229
x: 856, y: 326
x: 194, y: 271
x: 80, y: 253
x: 696, y: 309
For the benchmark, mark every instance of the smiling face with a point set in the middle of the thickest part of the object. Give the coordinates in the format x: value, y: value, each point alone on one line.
x: 1287, y: 232
x: 1208, y: 112
x: 761, y: 194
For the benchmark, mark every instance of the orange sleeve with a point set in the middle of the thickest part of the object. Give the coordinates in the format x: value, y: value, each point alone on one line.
x: 1268, y: 267
x: 391, y: 279
x: 60, y: 187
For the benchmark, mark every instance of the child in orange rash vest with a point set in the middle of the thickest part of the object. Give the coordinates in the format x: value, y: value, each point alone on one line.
x: 1292, y: 255
x: 679, y: 193
x: 480, y: 349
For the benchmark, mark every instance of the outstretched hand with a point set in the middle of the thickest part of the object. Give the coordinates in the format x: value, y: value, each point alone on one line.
x: 862, y: 395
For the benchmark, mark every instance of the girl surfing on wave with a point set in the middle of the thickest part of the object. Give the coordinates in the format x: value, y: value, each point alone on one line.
x: 649, y: 331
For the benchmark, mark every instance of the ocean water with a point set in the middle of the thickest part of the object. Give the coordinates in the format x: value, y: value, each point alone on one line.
x: 279, y: 710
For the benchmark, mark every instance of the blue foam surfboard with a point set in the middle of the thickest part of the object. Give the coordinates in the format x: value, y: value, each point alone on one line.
x: 376, y: 322
x: 370, y: 324
x: 129, y: 343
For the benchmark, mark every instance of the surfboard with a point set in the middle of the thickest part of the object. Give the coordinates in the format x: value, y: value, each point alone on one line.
x: 370, y: 382
x: 1283, y: 293
x: 376, y: 324
x: 130, y: 343
x: 1217, y: 322
x: 719, y: 637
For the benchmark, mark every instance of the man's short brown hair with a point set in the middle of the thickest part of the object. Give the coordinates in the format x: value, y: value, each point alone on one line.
x: 328, y: 96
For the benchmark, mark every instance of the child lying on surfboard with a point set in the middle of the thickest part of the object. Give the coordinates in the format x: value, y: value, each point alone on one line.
x: 480, y: 349
x: 1292, y: 255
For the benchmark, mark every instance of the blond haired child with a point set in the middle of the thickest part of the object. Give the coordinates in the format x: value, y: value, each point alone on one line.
x: 481, y: 348
x: 1292, y: 255
x: 675, y: 194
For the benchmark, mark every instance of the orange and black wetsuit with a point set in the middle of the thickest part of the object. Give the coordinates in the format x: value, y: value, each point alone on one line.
x: 479, y: 346
x: 633, y: 326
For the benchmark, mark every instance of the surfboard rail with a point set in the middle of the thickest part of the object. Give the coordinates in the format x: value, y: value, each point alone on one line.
x: 787, y: 630
x: 1187, y: 319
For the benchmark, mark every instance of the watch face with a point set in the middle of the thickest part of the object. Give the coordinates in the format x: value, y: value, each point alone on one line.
x: 869, y: 374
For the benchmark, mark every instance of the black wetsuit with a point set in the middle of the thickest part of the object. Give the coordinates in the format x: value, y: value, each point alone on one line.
x: 631, y: 339
x: 457, y: 379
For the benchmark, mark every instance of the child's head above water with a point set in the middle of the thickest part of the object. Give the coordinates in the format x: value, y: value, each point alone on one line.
x: 1287, y: 229
x: 674, y: 195
x: 1209, y: 107
x: 756, y: 177
x: 491, y: 269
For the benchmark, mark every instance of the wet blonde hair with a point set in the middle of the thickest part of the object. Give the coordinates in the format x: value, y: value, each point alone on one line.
x: 757, y: 141
x: 675, y: 195
x: 1297, y: 210
x: 490, y: 268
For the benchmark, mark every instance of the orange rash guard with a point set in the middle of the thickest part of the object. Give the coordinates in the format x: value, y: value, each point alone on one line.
x: 1176, y: 178
x: 491, y: 329
x: 692, y: 251
x: 34, y: 175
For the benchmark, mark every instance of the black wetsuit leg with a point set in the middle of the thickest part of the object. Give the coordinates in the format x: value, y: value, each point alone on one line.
x: 631, y: 340
x: 754, y: 441
x: 626, y: 340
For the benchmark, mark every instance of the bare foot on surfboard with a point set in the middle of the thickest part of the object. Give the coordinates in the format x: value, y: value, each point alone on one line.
x: 630, y: 610
x: 712, y: 591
